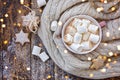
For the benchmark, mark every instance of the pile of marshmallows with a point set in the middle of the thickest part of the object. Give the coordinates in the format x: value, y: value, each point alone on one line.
x: 81, y: 35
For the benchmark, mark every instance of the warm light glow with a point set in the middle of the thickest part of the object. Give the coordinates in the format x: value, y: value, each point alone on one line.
x: 18, y: 24
x: 1, y: 20
x: 89, y: 58
x: 59, y: 23
x: 105, y: 44
x: 49, y: 76
x: 113, y: 9
x: 28, y: 68
x: 104, y: 57
x: 57, y: 46
x: 83, y: 0
x: 3, y: 25
x: 5, y: 42
x: 119, y: 28
x: 110, y: 53
x: 115, y: 55
x: 6, y: 15
x: 66, y: 77
x: 105, y: 1
x: 21, y: 1
x: 107, y: 34
x: 40, y: 10
x: 91, y: 75
x: 103, y: 70
x: 65, y: 51
x: 118, y: 47
x: 109, y: 60
x: 114, y: 62
x: 100, y: 9
x: 19, y: 11
x: 4, y: 3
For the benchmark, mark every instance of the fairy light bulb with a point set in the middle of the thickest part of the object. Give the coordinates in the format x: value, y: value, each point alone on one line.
x: 118, y: 47
x: 49, y: 76
x: 105, y: 1
x: 91, y: 75
x: 19, y: 11
x: 6, y: 67
x: 59, y: 23
x: 110, y: 53
x: 66, y: 77
x: 113, y: 9
x: 105, y: 44
x: 6, y: 15
x: 1, y: 20
x: 89, y: 58
x: 109, y: 60
x: 28, y: 68
x: 119, y: 28
x: 21, y: 1
x: 18, y: 24
x: 107, y: 34
x: 103, y: 70
x: 65, y: 51
x: 4, y: 3
x: 5, y: 42
x: 114, y: 62
x: 99, y: 9
x: 3, y: 25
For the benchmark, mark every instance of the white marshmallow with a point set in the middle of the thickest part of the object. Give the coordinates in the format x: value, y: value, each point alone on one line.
x: 36, y: 50
x: 82, y: 29
x: 86, y: 45
x: 94, y: 38
x: 76, y: 47
x: 93, y: 28
x: 41, y: 3
x: 77, y: 38
x: 54, y: 25
x: 68, y: 39
x: 86, y: 36
x: 43, y: 56
x: 76, y: 22
x: 70, y: 30
x: 85, y: 21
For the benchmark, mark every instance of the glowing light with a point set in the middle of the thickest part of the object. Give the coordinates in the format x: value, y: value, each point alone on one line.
x: 49, y: 76
x: 107, y: 34
x: 104, y: 57
x: 99, y: 9
x: 6, y: 15
x: 40, y: 45
x: 118, y: 47
x: 105, y: 1
x: 6, y: 67
x: 28, y: 68
x: 110, y: 53
x: 40, y: 10
x: 59, y: 23
x: 21, y: 1
x: 5, y: 42
x: 103, y: 70
x: 107, y: 65
x: 19, y: 24
x: 65, y: 51
x: 4, y: 3
x: 115, y: 55
x: 119, y: 28
x: 57, y: 46
x: 3, y: 25
x: 109, y: 60
x: 1, y: 20
x: 105, y: 44
x: 113, y: 9
x: 83, y: 0
x: 66, y: 77
x: 91, y: 75
x: 114, y: 62
x: 89, y: 58
x: 19, y: 11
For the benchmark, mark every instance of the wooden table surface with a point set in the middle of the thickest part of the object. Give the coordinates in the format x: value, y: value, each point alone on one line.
x: 16, y: 61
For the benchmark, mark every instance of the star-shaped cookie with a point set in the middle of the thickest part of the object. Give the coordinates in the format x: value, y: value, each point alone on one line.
x: 22, y: 37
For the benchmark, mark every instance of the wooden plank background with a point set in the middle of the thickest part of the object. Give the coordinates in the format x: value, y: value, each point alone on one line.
x: 16, y: 61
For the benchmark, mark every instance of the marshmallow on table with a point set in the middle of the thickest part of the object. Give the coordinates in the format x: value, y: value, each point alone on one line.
x: 77, y: 38
x: 82, y: 29
x: 70, y: 30
x: 76, y: 47
x: 93, y: 28
x: 43, y: 56
x: 54, y: 25
x: 86, y: 36
x: 86, y: 45
x: 41, y: 3
x: 76, y: 22
x: 36, y: 50
x: 94, y: 38
x: 68, y: 39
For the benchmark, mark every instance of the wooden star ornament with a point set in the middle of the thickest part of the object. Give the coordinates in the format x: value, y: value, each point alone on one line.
x: 22, y: 37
